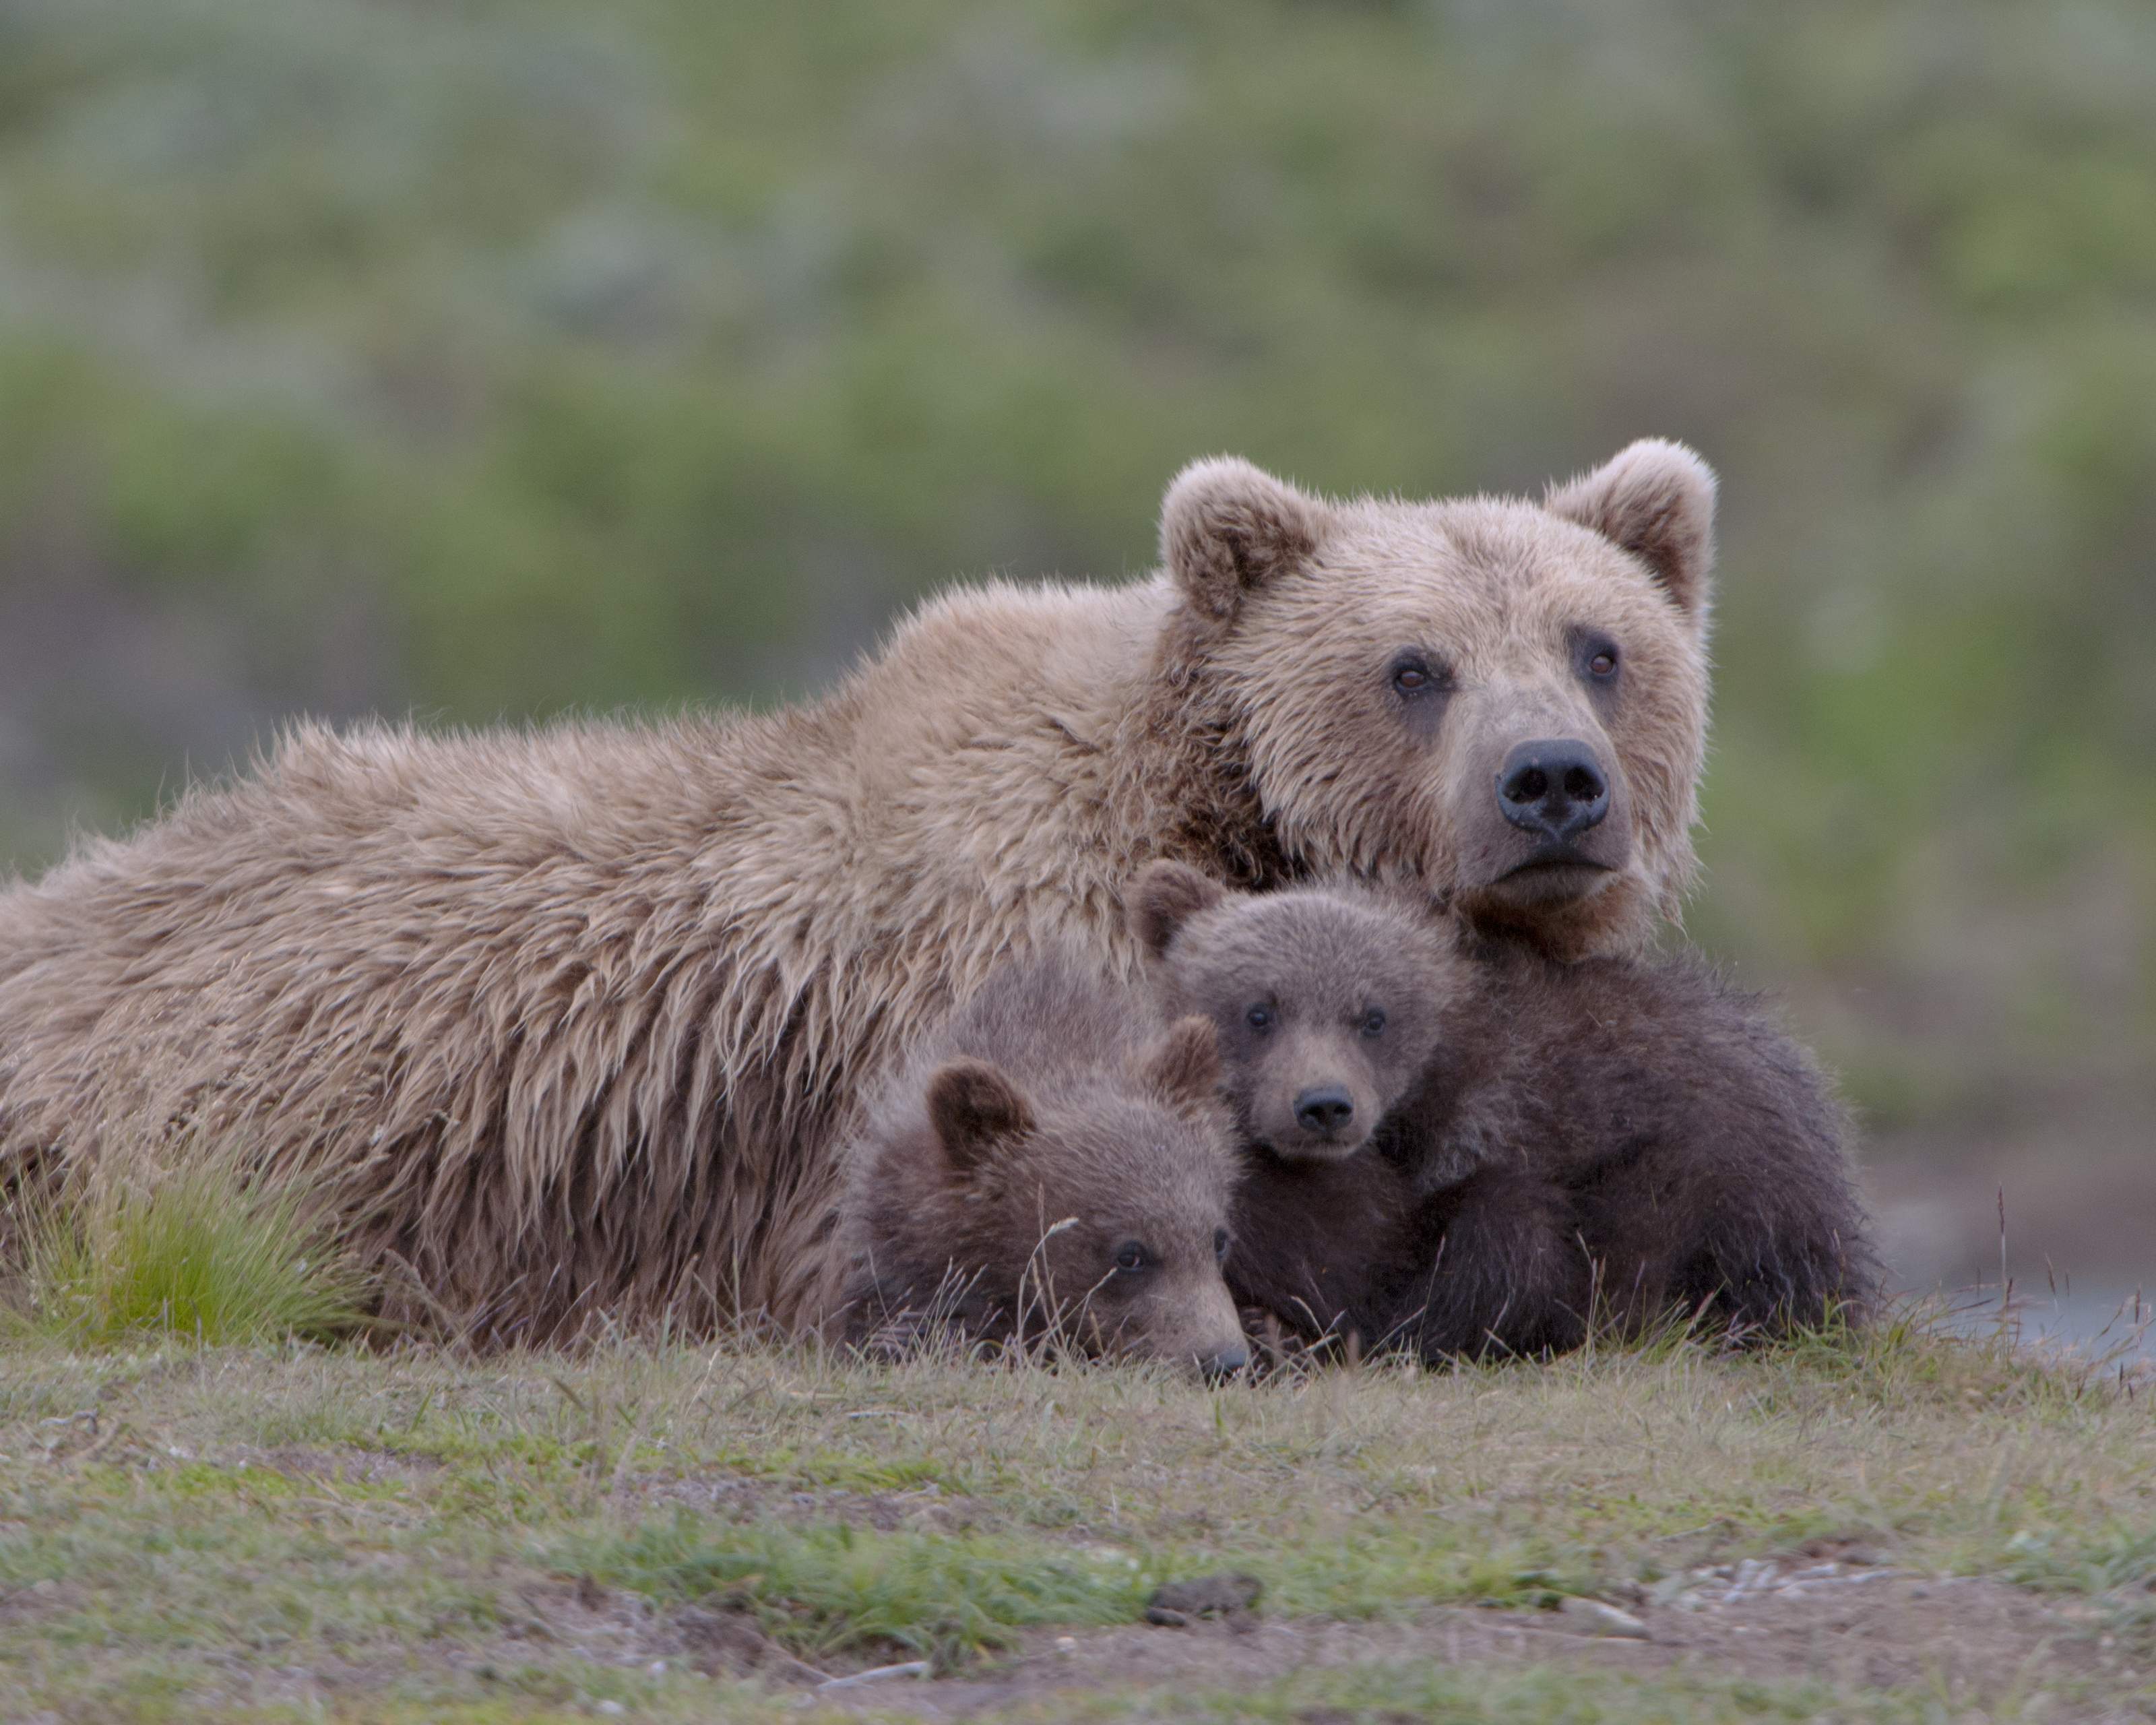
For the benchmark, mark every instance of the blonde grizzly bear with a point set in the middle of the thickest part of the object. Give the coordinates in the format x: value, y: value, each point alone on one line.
x: 576, y: 1016
x: 1466, y: 1151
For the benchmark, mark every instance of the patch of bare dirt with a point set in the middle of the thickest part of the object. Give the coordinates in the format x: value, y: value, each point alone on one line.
x: 36, y: 1602
x: 1831, y: 1621
x: 345, y: 1465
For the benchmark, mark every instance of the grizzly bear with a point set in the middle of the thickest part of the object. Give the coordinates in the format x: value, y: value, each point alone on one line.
x: 1545, y: 1147
x: 1048, y: 1163
x: 576, y: 1017
x: 1329, y: 1000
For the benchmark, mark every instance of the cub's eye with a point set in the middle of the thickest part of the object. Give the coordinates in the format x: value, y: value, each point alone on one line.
x: 1131, y: 1257
x: 1220, y: 1246
x: 1603, y: 663
x: 1259, y: 1017
x: 1373, y: 1022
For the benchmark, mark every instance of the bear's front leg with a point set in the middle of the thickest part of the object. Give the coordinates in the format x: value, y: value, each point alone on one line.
x: 1755, y: 1234
x: 1313, y: 1242
x: 1498, y: 1269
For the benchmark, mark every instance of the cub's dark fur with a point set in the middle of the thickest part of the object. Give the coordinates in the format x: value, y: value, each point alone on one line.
x: 1611, y: 1139
x: 1053, y: 1153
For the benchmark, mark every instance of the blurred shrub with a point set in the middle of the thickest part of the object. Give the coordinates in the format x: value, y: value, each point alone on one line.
x: 495, y: 358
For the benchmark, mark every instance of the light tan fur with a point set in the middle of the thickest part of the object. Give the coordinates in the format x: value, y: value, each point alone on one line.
x: 575, y: 1016
x: 1494, y: 592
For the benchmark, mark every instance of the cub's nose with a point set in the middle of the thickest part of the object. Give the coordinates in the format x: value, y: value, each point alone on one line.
x: 1324, y: 1111
x: 1553, y: 787
x: 1225, y: 1363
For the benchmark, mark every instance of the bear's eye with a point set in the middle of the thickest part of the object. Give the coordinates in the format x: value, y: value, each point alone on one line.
x: 1597, y: 656
x: 1220, y: 1246
x: 1131, y: 1257
x: 1414, y: 674
x: 1259, y: 1017
x: 1373, y: 1022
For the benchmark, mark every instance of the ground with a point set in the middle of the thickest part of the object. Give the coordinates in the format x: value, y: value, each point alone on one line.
x: 1904, y: 1528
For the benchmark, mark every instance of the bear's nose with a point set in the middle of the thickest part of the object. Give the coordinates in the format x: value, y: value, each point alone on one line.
x: 1225, y: 1363
x: 1553, y: 787
x: 1325, y: 1110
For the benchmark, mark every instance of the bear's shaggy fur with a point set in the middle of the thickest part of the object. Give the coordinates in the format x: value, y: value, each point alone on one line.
x: 1049, y: 1162
x: 576, y: 1017
x: 1615, y: 1139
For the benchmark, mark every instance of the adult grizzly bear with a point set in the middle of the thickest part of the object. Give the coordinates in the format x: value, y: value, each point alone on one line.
x: 1463, y: 1151
x: 589, y: 1004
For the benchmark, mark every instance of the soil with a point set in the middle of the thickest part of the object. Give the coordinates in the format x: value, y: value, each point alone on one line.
x: 1833, y: 1621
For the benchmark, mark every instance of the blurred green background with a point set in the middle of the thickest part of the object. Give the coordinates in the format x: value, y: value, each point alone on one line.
x: 487, y: 359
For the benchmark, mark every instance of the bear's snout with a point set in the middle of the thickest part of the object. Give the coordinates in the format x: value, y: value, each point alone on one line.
x: 1224, y: 1363
x: 1545, y: 812
x: 1191, y: 1322
x: 1323, y: 1110
x: 1553, y: 789
x: 1316, y: 1097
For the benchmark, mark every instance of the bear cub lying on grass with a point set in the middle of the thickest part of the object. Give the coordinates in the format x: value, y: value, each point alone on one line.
x: 1492, y: 1154
x: 1051, y: 1161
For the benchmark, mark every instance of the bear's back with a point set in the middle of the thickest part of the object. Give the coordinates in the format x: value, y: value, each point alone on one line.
x: 1578, y: 1065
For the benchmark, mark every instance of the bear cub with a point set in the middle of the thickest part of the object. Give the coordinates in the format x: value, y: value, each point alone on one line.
x: 1464, y: 1153
x: 1052, y: 1159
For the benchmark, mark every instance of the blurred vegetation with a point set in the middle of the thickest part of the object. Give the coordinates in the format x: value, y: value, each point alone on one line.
x: 489, y: 359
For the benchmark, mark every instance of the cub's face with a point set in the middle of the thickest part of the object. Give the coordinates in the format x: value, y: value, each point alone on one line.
x: 1326, y: 1002
x: 1503, y: 703
x: 1097, y: 1211
x: 1123, y: 1211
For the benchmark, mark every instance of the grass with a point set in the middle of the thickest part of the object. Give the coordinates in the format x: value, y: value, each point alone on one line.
x: 202, y: 1250
x: 292, y: 1531
x: 830, y: 1589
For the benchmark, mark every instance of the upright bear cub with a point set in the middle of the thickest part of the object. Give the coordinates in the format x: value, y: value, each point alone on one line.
x: 1614, y: 1139
x: 1044, y: 1163
x: 1329, y: 1000
x: 576, y: 1017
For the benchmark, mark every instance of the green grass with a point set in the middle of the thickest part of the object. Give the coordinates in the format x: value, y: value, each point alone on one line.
x: 200, y: 1250
x: 296, y: 1533
x: 836, y: 1589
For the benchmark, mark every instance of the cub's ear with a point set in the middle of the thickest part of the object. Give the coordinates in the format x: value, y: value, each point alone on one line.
x: 1182, y: 1069
x: 1226, y: 529
x: 1656, y: 499
x: 976, y: 1111
x: 1164, y: 897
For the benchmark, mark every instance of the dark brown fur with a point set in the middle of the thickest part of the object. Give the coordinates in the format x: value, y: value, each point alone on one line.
x: 1614, y: 1139
x: 1051, y: 1128
x: 1343, y: 1000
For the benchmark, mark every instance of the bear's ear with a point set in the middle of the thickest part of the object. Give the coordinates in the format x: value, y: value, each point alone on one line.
x: 1164, y: 897
x: 1182, y: 1069
x: 1226, y: 529
x: 976, y: 1111
x: 1656, y: 499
